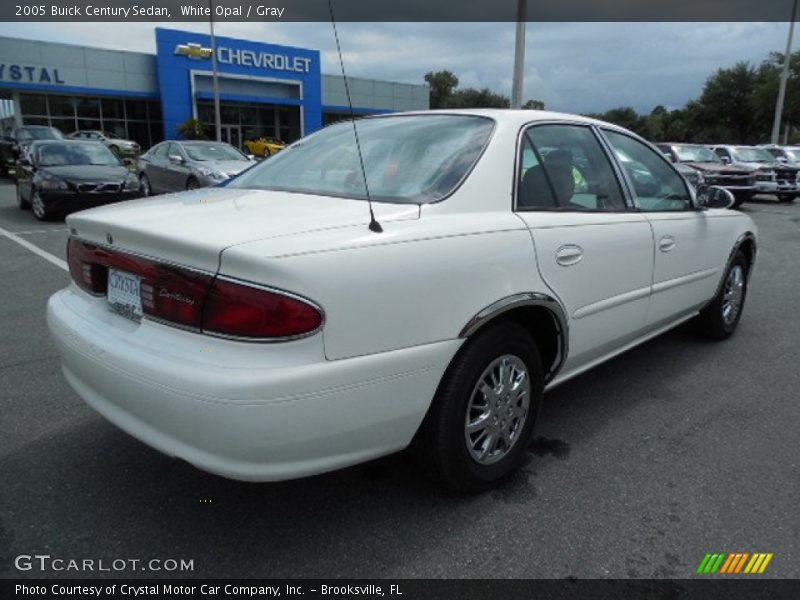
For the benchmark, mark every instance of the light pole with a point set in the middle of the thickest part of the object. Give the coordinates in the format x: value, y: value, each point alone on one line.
x: 214, y: 81
x: 787, y: 59
x: 519, y: 54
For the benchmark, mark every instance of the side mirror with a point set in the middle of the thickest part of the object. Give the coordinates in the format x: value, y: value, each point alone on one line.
x: 176, y: 158
x: 726, y: 160
x: 713, y: 196
x: 251, y: 157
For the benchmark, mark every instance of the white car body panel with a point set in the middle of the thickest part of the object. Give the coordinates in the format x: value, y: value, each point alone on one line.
x: 396, y: 306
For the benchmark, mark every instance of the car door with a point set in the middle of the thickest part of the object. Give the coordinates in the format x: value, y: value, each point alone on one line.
x: 690, y: 244
x: 177, y: 169
x: 155, y: 168
x: 593, y: 250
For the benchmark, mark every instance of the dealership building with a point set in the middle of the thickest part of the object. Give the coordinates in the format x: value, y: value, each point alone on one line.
x: 264, y: 89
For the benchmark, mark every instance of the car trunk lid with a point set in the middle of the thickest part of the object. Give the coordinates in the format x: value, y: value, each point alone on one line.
x: 193, y: 228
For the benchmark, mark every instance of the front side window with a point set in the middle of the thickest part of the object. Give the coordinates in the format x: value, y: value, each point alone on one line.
x: 410, y: 159
x: 657, y: 185
x: 564, y: 167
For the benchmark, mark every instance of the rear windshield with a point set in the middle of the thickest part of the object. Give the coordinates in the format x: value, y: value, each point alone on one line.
x: 407, y: 159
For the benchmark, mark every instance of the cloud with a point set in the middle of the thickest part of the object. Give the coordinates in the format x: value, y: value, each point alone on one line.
x: 573, y: 67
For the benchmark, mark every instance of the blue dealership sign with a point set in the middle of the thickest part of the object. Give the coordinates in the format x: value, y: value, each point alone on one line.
x: 269, y: 74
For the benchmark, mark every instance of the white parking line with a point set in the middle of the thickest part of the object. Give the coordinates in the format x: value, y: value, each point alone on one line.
x: 62, y: 264
x: 30, y: 231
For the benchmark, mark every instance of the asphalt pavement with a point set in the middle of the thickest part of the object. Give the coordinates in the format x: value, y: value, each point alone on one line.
x: 677, y: 448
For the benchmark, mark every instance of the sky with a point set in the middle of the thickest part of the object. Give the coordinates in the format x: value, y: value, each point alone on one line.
x: 572, y: 67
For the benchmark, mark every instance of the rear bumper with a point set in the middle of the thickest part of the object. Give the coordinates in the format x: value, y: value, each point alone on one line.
x: 257, y: 412
x: 70, y: 201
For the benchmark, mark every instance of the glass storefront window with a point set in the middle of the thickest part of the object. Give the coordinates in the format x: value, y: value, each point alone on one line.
x: 33, y: 104
x: 62, y: 106
x: 84, y: 124
x: 154, y: 110
x: 136, y: 109
x: 138, y: 132
x: 88, y: 107
x: 66, y: 126
x: 113, y: 109
x: 116, y: 128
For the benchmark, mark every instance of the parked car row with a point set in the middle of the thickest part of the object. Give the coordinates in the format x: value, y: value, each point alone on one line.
x: 175, y: 166
x: 743, y: 170
x: 60, y: 175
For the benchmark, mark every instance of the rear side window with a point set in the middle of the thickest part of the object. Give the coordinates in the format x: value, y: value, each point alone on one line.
x: 564, y: 167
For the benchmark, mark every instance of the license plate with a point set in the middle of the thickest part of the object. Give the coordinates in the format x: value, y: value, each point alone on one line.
x: 124, y: 293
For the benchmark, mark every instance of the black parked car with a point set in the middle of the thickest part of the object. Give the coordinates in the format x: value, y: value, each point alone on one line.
x: 19, y: 138
x: 56, y: 177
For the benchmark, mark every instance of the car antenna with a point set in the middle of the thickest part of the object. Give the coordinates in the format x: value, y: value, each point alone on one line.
x: 373, y: 222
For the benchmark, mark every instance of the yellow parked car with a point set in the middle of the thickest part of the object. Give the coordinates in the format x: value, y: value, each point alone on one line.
x: 264, y: 146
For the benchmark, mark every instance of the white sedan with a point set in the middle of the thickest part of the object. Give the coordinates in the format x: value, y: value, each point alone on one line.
x: 270, y: 329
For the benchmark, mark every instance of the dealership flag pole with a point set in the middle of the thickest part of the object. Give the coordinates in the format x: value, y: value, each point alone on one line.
x: 215, y: 82
x: 519, y: 55
x: 787, y: 59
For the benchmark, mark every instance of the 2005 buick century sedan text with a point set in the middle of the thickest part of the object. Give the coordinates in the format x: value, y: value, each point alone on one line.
x: 263, y: 331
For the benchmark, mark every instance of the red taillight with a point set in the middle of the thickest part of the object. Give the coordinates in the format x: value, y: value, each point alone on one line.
x: 243, y: 311
x: 89, y: 275
x: 196, y: 300
x: 175, y: 295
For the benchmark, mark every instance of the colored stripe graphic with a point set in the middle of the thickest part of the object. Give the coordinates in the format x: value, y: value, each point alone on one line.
x: 734, y: 562
x: 727, y: 564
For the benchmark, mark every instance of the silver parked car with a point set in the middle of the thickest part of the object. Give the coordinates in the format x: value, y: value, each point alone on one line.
x: 119, y: 146
x: 187, y: 165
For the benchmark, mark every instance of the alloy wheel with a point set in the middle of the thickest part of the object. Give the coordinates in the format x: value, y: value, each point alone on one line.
x: 733, y: 295
x: 498, y: 408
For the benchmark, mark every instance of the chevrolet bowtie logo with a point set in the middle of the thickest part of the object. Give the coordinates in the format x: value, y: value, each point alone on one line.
x: 191, y: 50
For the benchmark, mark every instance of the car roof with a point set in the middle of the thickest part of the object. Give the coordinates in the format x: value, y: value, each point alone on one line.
x: 506, y: 115
x: 64, y: 141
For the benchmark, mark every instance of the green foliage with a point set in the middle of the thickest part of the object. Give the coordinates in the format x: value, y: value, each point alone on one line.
x: 192, y: 129
x: 736, y: 106
x: 444, y: 93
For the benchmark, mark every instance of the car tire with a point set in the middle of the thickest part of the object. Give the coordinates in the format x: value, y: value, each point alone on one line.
x: 21, y: 202
x: 739, y: 199
x: 144, y: 185
x: 192, y: 184
x: 716, y: 321
x: 39, y: 208
x: 786, y: 197
x: 445, y: 447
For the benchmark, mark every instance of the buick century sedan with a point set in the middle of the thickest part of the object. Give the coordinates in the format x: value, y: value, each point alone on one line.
x: 421, y: 288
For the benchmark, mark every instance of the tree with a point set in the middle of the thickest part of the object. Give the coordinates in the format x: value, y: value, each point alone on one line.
x: 442, y: 84
x: 192, y: 129
x: 533, y: 105
x: 474, y: 98
x: 727, y: 110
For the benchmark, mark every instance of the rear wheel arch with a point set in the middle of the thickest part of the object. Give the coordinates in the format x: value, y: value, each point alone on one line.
x: 540, y: 315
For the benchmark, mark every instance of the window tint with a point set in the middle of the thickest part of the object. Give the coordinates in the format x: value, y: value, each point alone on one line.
x: 658, y: 186
x: 564, y: 167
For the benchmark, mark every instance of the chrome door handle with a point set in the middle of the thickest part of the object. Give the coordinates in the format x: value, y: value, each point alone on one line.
x: 569, y: 255
x: 666, y: 243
